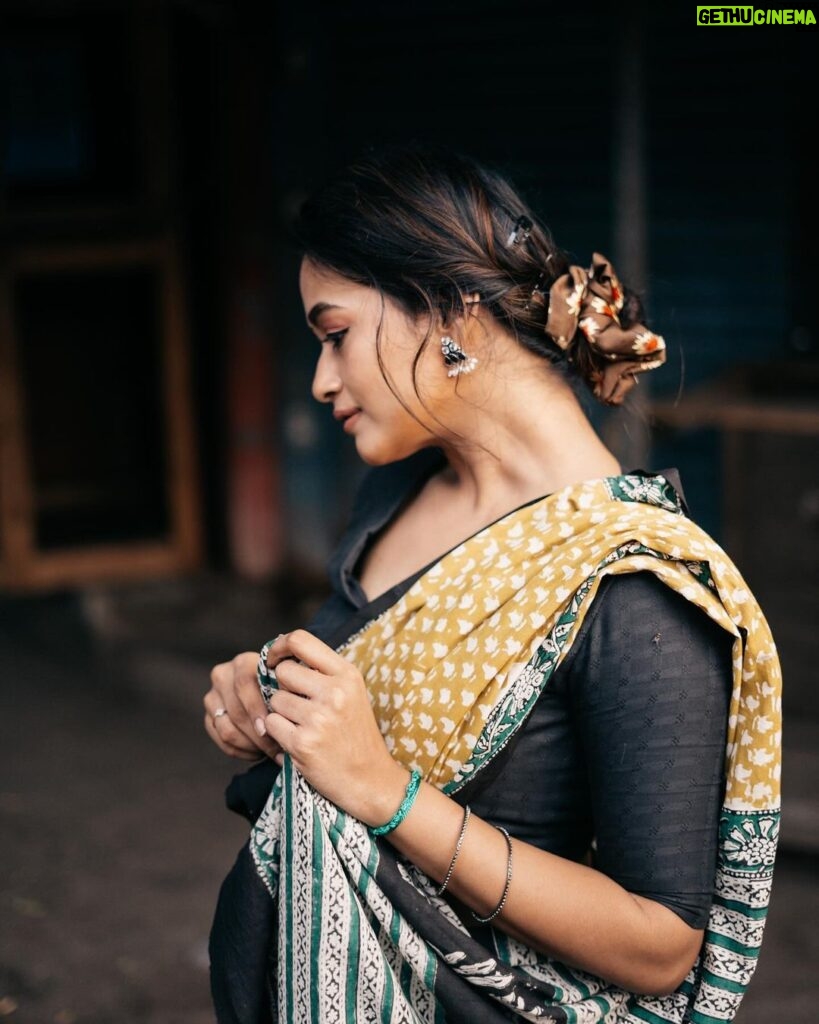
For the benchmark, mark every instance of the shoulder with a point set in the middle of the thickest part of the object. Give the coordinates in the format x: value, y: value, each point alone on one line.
x: 635, y: 598
x: 639, y: 623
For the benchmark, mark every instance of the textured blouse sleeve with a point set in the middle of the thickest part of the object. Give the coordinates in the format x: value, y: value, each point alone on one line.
x: 649, y: 681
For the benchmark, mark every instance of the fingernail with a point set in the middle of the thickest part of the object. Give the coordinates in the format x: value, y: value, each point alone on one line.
x: 258, y: 725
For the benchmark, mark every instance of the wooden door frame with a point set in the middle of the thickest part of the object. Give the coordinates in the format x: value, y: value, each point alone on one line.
x: 22, y: 565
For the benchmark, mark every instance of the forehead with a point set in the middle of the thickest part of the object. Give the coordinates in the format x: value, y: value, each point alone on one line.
x: 322, y: 288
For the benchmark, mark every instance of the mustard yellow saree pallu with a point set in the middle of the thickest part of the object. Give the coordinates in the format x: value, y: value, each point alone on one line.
x: 453, y: 669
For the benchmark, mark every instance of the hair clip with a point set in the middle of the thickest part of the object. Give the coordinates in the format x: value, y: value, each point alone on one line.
x: 521, y: 230
x: 537, y: 288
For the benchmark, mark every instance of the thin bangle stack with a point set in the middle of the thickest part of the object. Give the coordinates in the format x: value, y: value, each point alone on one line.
x: 442, y: 888
x: 505, y: 893
x: 461, y: 835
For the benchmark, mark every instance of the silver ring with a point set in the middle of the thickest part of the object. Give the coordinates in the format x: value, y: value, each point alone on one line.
x: 218, y: 713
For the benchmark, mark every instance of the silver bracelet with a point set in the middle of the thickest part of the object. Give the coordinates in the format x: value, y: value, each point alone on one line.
x: 499, y: 907
x: 440, y: 891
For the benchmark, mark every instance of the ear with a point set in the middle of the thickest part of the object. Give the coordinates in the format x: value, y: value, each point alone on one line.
x: 472, y: 308
x: 462, y: 322
x: 473, y: 322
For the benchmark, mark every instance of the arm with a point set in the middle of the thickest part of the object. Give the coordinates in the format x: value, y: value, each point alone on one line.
x: 647, y: 686
x: 575, y: 913
x: 566, y: 910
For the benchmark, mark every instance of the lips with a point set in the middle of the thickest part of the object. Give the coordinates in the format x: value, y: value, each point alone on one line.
x: 345, y: 414
x: 350, y: 421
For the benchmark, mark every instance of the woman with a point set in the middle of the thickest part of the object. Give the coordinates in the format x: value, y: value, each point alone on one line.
x: 496, y: 783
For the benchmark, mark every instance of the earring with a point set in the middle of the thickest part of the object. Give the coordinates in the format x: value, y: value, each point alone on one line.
x: 454, y: 354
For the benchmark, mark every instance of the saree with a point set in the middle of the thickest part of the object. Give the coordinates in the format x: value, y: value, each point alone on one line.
x: 453, y: 668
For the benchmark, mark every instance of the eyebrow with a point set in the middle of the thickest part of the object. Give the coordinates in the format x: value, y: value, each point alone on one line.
x: 318, y: 309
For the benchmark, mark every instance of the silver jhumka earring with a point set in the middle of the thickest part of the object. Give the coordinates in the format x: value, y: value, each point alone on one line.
x: 455, y: 357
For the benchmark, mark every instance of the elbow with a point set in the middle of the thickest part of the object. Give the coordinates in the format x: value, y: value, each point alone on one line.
x: 664, y: 983
x: 670, y: 949
x: 667, y: 973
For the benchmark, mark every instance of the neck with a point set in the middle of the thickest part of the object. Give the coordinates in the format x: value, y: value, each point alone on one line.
x: 526, y: 436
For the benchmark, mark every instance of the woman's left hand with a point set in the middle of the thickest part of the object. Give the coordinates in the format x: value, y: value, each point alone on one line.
x: 322, y: 718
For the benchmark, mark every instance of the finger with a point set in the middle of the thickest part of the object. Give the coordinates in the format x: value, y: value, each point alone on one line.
x: 309, y: 649
x: 282, y: 731
x: 221, y: 709
x: 213, y: 701
x: 227, y: 748
x: 290, y: 706
x: 228, y: 732
x: 221, y: 694
x: 246, y: 692
x: 210, y: 729
x: 235, y: 688
x: 221, y: 679
x: 300, y: 679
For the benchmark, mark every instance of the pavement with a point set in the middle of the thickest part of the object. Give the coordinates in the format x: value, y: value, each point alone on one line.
x: 113, y: 833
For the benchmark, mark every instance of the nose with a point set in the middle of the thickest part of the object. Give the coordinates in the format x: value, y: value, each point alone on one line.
x: 326, y: 381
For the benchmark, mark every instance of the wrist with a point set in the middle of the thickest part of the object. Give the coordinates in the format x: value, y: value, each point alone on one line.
x: 383, y: 799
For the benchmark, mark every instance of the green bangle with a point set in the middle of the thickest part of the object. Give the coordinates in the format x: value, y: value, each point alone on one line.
x: 403, y: 810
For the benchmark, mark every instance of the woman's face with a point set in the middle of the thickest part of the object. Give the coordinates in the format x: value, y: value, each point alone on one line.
x: 345, y: 318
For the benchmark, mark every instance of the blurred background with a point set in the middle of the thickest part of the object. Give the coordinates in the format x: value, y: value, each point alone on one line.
x: 170, y: 492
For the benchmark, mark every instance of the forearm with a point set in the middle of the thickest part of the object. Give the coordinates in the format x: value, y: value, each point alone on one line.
x: 564, y: 909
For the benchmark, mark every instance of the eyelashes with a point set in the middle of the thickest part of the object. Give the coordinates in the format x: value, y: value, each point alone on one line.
x: 336, y: 337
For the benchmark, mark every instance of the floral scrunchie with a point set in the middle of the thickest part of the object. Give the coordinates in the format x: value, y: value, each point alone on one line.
x: 589, y: 301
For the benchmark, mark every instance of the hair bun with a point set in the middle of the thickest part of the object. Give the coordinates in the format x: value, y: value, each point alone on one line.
x: 585, y: 321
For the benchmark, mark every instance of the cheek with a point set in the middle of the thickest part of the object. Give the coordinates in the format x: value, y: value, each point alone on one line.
x: 399, y: 348
x: 408, y: 376
x: 431, y: 383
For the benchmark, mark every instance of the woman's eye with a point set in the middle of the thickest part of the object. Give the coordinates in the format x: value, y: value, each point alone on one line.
x: 336, y: 337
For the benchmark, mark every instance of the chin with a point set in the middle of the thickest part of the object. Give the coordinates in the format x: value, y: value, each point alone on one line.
x: 379, y: 457
x: 380, y: 453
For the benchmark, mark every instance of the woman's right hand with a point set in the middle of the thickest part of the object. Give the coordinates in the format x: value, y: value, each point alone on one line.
x: 232, y: 706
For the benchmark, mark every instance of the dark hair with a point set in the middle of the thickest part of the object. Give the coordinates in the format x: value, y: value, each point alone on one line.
x: 425, y: 225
